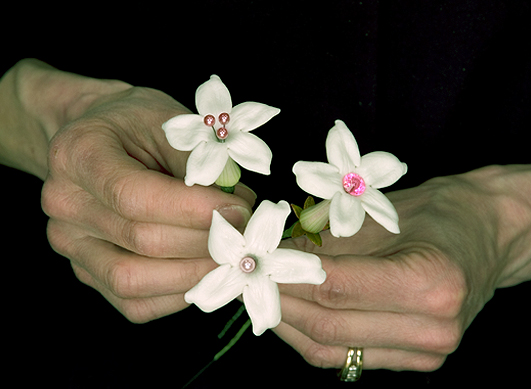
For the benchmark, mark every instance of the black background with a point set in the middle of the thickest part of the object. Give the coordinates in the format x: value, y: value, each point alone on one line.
x: 443, y: 85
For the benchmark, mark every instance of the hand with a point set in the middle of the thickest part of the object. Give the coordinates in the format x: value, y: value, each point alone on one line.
x: 407, y: 299
x: 118, y: 206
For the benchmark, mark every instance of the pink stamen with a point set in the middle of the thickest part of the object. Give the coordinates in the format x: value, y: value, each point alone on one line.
x: 222, y: 133
x: 224, y: 118
x: 247, y: 265
x: 209, y: 120
x: 353, y: 184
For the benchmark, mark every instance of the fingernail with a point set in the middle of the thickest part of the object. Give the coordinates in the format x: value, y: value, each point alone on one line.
x: 236, y: 215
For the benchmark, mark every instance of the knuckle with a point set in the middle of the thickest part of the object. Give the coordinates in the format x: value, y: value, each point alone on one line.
x: 123, y: 279
x: 333, y: 292
x: 440, y: 286
x: 142, y: 239
x: 319, y: 355
x: 57, y: 239
x: 53, y: 203
x: 70, y: 147
x: 48, y: 199
x: 189, y: 207
x: 82, y: 275
x: 443, y: 339
x: 324, y: 328
x: 427, y: 363
x: 137, y: 311
x: 448, y: 297
x: 122, y: 198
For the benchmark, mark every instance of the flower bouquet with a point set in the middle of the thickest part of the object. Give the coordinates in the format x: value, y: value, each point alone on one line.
x: 251, y: 264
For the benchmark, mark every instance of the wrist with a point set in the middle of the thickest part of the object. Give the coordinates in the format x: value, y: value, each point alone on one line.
x: 37, y: 101
x: 54, y: 98
x: 507, y: 190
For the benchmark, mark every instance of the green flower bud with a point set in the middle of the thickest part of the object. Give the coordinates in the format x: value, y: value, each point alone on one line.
x: 230, y: 175
x: 315, y: 218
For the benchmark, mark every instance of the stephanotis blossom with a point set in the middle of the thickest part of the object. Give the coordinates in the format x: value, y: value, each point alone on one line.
x: 220, y: 134
x: 251, y: 265
x: 349, y: 185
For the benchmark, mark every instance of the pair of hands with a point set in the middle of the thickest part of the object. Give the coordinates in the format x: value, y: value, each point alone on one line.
x: 119, y: 210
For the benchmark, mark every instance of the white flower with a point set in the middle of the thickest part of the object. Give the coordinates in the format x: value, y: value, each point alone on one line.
x: 251, y: 264
x: 350, y: 182
x: 218, y: 132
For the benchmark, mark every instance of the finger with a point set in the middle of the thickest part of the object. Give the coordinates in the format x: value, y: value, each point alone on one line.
x: 366, y: 328
x: 125, y: 274
x: 414, y: 283
x: 373, y: 358
x: 147, y: 239
x: 364, y: 283
x: 136, y: 310
x: 97, y: 162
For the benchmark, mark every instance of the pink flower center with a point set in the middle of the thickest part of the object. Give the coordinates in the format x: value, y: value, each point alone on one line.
x: 353, y: 184
x: 247, y: 265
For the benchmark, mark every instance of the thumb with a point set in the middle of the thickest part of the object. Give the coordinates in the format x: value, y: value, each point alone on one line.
x: 176, y: 161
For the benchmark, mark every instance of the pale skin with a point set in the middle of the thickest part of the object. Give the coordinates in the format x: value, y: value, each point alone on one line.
x: 120, y: 212
x: 99, y: 147
x: 408, y: 298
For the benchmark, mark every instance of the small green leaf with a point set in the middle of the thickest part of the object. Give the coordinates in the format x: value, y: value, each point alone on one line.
x: 297, y: 230
x: 315, y: 238
x: 297, y: 210
x: 289, y: 231
x: 309, y: 202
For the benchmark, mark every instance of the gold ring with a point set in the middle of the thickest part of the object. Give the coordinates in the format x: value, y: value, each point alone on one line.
x: 351, y: 372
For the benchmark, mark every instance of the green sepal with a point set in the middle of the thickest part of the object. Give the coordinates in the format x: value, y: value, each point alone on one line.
x: 297, y: 210
x: 310, y: 202
x: 315, y: 238
x: 297, y: 230
x: 227, y: 189
x: 287, y: 234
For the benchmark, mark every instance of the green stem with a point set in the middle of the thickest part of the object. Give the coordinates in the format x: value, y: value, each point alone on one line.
x: 233, y: 340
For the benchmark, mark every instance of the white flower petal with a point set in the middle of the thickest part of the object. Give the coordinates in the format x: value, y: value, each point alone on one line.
x: 262, y: 301
x: 346, y: 215
x: 380, y: 169
x: 294, y: 267
x: 225, y: 243
x: 205, y: 163
x: 213, y: 97
x: 184, y: 132
x: 249, y: 151
x: 318, y: 178
x: 264, y: 230
x: 342, y: 149
x: 380, y: 209
x: 217, y: 288
x: 248, y: 116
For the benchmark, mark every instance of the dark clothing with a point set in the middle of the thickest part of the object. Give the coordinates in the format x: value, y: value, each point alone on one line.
x: 443, y: 85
